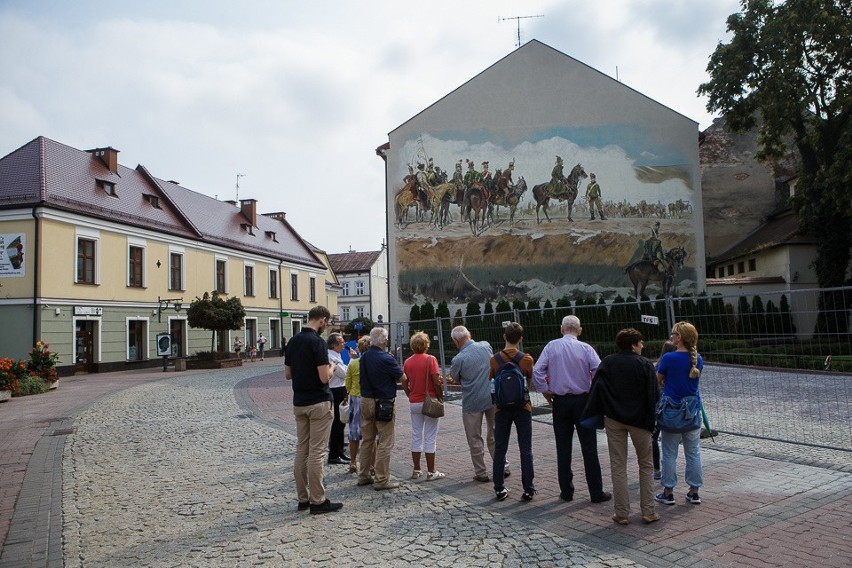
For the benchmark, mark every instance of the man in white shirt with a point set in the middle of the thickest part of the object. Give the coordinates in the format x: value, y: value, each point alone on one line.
x: 337, y: 384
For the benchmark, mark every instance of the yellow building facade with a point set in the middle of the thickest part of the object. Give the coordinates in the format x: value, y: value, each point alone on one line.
x: 99, y: 260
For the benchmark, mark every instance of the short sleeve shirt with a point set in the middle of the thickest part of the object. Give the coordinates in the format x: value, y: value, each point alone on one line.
x: 419, y: 379
x: 305, y: 352
x: 472, y: 369
x: 675, y: 367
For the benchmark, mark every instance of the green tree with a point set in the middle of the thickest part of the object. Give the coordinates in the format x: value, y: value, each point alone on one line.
x: 215, y: 314
x: 787, y: 71
x: 414, y: 314
x: 366, y: 325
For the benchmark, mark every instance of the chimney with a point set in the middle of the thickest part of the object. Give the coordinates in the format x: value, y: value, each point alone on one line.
x: 248, y: 207
x: 278, y: 215
x: 109, y: 156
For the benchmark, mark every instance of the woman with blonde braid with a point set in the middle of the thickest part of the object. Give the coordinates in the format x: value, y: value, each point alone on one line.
x: 678, y: 373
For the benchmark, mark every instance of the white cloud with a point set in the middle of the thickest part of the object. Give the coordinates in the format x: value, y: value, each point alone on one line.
x: 298, y: 95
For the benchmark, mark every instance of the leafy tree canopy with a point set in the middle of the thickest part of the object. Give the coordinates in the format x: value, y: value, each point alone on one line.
x: 787, y: 71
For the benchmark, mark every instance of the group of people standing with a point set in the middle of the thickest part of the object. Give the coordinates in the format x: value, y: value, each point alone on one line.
x: 622, y: 390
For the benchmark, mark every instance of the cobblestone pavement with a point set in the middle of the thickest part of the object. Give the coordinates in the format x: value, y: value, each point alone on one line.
x: 196, y: 470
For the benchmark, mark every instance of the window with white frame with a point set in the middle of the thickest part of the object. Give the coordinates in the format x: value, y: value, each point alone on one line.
x: 344, y: 288
x: 344, y: 313
x: 294, y: 286
x: 359, y: 310
x: 359, y: 288
x: 136, y: 257
x: 221, y: 275
x: 176, y: 270
x: 273, y: 282
x: 87, y: 254
x: 248, y: 271
x: 312, y: 289
x: 137, y: 334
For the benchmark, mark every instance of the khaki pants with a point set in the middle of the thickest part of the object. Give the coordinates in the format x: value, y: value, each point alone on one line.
x: 370, y: 429
x: 616, y: 437
x: 313, y: 425
x: 472, y: 422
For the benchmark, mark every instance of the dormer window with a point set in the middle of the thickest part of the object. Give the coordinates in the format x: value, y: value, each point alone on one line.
x: 271, y: 235
x: 107, y: 187
x: 153, y: 200
x: 247, y: 228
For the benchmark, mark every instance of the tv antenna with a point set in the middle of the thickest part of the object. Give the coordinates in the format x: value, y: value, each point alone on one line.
x: 238, y: 185
x: 518, y: 21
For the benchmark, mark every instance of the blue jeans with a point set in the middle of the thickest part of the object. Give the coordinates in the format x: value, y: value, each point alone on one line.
x: 694, y: 473
x: 566, y: 415
x: 503, y: 420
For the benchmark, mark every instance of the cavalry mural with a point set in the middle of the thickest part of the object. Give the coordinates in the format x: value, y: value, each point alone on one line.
x: 491, y: 223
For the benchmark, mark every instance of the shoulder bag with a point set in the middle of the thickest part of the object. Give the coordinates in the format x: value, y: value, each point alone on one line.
x: 432, y: 407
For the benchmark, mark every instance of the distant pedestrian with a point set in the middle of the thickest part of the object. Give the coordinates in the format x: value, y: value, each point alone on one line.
x: 625, y: 392
x: 353, y: 394
x: 678, y: 373
x: 380, y: 373
x: 471, y: 368
x: 308, y: 367
x: 261, y: 345
x: 422, y: 377
x: 564, y: 373
x: 519, y: 415
x: 238, y: 346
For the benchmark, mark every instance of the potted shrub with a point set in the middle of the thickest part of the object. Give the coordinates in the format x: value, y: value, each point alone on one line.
x: 42, y: 363
x: 9, y: 372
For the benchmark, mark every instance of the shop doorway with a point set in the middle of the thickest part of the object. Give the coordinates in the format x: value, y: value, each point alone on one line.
x: 177, y: 329
x: 84, y: 346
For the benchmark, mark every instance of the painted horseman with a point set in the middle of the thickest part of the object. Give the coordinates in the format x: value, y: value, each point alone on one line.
x: 554, y: 188
x: 654, y: 250
x: 505, y: 182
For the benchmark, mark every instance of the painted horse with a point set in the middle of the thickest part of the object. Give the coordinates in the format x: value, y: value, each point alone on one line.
x: 567, y: 193
x: 644, y: 271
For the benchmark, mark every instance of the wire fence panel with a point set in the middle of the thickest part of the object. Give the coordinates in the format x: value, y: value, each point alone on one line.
x: 779, y: 363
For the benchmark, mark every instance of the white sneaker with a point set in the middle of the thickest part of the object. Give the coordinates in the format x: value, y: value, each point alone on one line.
x: 433, y: 475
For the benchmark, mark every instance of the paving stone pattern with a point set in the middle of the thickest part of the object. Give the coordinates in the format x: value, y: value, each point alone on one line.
x: 196, y: 470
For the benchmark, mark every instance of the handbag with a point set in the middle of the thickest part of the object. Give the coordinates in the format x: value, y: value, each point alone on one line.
x: 432, y: 407
x: 684, y: 416
x: 384, y: 409
x: 344, y: 411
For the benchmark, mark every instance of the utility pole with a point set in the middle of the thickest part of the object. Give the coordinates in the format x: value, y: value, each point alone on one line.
x: 518, y: 21
x: 238, y: 186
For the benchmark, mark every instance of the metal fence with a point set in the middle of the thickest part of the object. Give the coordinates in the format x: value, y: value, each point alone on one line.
x: 779, y: 363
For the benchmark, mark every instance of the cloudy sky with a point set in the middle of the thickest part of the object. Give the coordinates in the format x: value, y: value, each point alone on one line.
x: 297, y: 95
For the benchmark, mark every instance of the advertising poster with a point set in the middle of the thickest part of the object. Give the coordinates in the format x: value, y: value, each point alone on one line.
x: 12, y: 254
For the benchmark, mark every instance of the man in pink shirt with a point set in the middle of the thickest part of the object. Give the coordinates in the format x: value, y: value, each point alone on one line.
x: 564, y: 372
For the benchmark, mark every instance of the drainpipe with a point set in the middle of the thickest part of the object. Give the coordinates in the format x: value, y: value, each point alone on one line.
x: 280, y: 305
x: 36, y: 311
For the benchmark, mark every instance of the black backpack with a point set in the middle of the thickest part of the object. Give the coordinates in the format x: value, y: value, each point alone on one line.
x: 510, y: 384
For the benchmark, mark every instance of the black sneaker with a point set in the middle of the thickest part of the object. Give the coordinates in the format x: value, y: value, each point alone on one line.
x: 325, y: 507
x: 665, y: 498
x: 692, y: 497
x: 304, y: 506
x: 528, y: 495
x: 502, y: 494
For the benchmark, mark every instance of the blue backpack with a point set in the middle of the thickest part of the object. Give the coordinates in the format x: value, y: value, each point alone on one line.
x: 510, y: 384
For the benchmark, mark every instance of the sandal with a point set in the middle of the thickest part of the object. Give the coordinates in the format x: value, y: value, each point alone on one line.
x: 433, y: 475
x: 353, y: 469
x: 416, y: 474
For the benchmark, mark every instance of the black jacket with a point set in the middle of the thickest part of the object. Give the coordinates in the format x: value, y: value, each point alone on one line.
x: 625, y: 389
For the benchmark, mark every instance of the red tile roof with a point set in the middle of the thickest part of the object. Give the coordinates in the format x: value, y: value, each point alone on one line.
x: 348, y: 262
x: 47, y: 173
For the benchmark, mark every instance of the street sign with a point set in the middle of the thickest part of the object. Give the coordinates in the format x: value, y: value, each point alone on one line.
x: 164, y: 344
x: 653, y: 320
x: 284, y: 314
x: 358, y: 325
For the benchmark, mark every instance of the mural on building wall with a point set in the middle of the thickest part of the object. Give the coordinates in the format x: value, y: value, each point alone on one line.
x: 562, y: 213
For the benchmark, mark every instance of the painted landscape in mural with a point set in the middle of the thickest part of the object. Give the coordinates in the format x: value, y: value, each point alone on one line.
x: 546, y: 218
